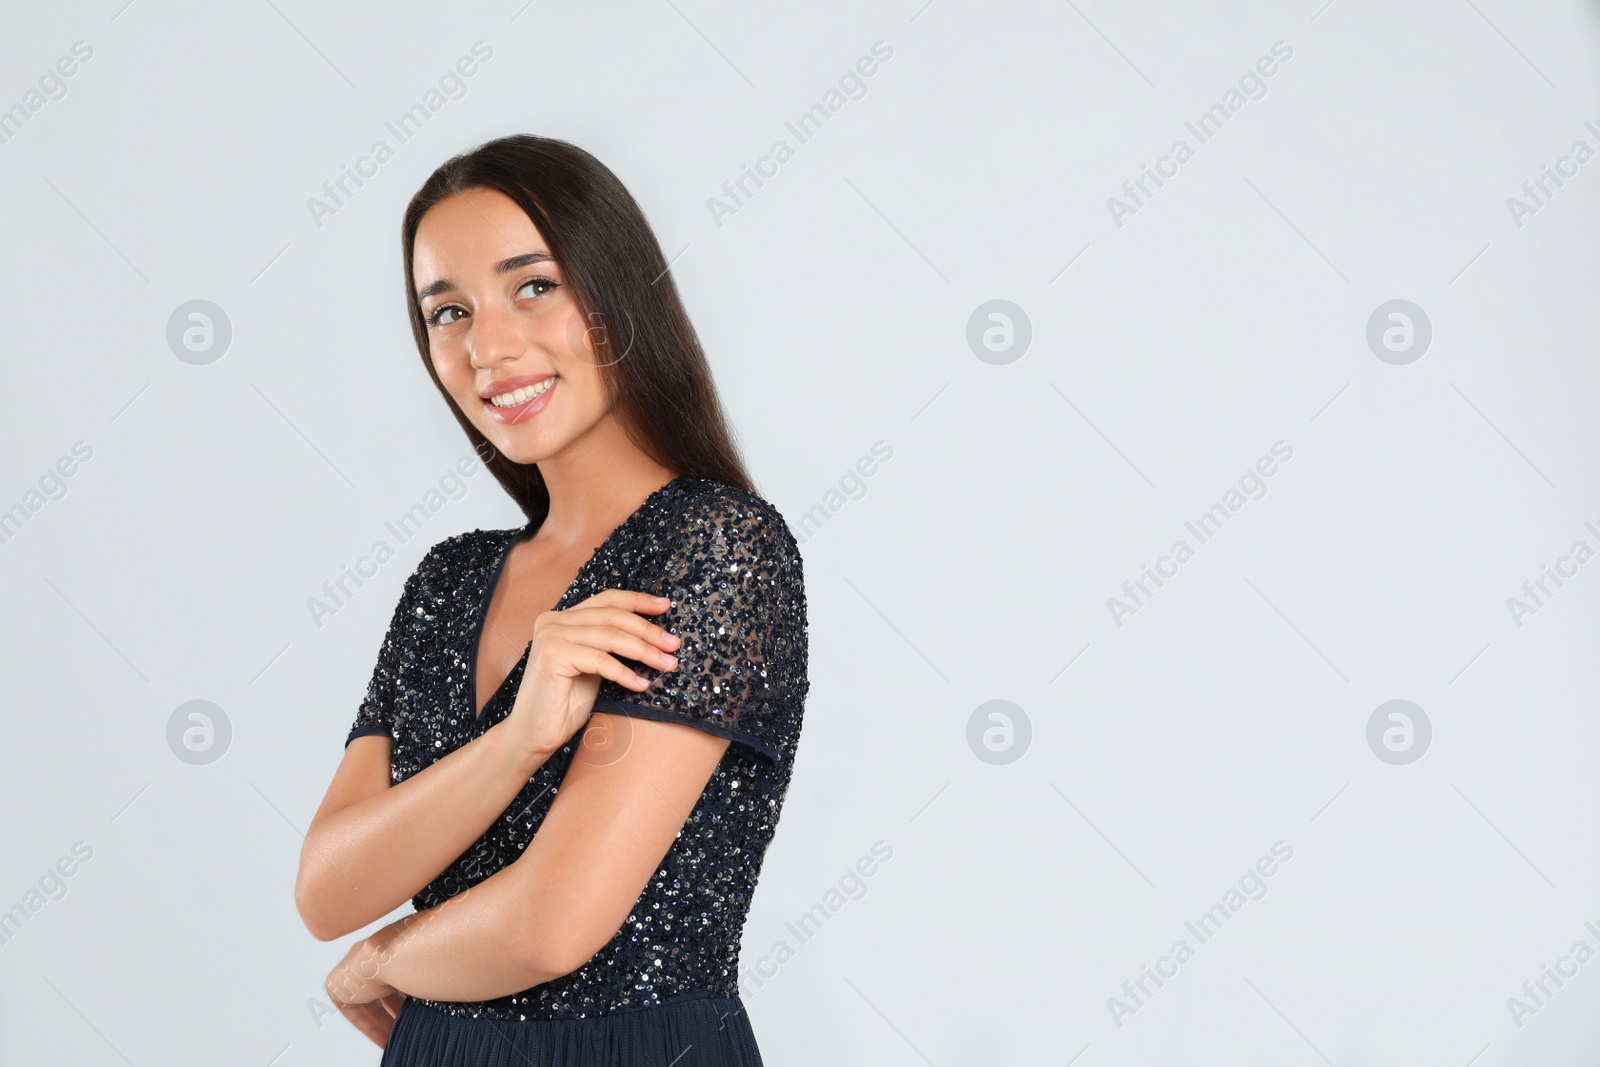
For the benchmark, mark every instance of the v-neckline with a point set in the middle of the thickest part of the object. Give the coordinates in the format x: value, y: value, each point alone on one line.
x: 524, y: 534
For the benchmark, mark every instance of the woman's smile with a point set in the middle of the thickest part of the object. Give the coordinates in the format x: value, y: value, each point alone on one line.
x: 516, y: 399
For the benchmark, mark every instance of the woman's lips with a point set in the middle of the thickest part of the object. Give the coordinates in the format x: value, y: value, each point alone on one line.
x: 524, y: 411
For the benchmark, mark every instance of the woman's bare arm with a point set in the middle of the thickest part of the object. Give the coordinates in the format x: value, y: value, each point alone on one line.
x: 569, y: 893
x: 373, y: 846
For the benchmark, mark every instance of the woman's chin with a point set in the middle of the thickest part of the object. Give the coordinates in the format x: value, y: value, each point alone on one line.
x: 533, y: 441
x: 521, y: 451
x: 524, y: 446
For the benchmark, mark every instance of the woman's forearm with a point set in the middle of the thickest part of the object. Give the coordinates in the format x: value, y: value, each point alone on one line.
x: 475, y: 946
x: 365, y: 859
x: 570, y: 891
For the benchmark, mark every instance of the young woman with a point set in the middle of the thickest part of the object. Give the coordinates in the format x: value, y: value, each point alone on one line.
x: 576, y: 744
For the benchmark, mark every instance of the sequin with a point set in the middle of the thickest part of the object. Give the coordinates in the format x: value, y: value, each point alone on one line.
x: 733, y: 571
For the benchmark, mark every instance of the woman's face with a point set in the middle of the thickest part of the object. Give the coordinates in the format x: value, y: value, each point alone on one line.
x: 503, y: 326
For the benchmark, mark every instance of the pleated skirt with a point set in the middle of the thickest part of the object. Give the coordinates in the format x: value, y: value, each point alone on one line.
x: 691, y: 1032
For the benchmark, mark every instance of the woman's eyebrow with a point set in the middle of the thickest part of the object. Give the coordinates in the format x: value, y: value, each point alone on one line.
x: 505, y: 266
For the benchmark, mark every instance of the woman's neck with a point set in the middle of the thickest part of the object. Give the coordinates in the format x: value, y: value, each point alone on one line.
x: 596, y: 483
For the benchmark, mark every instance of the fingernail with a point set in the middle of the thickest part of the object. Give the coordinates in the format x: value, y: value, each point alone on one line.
x: 671, y: 661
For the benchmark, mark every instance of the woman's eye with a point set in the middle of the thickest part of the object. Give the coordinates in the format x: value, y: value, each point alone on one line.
x: 439, y: 317
x: 542, y: 285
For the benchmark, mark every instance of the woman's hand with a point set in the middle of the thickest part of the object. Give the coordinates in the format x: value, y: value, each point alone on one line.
x: 573, y: 650
x: 371, y: 1005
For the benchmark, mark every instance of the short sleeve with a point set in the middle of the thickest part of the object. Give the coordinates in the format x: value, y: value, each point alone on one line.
x: 375, y: 715
x: 735, y: 579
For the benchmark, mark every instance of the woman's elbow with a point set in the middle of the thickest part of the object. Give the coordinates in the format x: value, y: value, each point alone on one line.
x: 321, y: 929
x: 553, y: 955
x: 311, y: 901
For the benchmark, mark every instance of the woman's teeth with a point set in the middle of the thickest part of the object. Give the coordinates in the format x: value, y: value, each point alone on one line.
x: 521, y: 396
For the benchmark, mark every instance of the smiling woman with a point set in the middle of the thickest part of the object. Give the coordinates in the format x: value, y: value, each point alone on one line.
x: 579, y: 733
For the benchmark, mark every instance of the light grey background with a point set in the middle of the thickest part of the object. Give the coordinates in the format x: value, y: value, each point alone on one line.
x: 1227, y: 313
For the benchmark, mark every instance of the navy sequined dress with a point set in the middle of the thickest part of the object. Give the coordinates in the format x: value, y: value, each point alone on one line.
x: 664, y: 990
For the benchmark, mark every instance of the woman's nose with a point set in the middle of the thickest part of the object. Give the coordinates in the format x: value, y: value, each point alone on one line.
x: 494, y: 339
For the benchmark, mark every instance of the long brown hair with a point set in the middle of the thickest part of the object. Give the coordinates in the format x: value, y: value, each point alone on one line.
x: 659, y: 382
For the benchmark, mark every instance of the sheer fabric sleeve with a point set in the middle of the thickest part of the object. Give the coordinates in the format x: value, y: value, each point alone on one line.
x: 735, y: 580
x: 375, y: 714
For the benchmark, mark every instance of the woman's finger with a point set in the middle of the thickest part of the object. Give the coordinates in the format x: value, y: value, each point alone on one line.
x: 618, y: 617
x: 616, y: 640
x: 628, y: 600
x: 371, y: 1019
x: 589, y: 660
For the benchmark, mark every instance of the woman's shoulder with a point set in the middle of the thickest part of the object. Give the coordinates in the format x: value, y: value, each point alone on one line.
x: 705, y: 508
x: 465, y: 552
